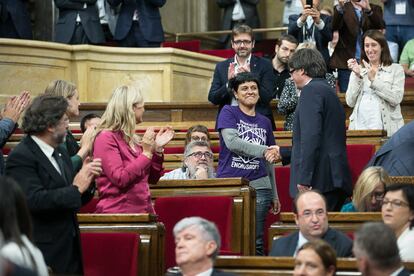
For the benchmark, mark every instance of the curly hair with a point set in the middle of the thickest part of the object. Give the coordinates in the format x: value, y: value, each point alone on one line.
x: 45, y: 111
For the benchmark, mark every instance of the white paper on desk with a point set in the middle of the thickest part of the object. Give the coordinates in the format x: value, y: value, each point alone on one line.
x: 401, y: 7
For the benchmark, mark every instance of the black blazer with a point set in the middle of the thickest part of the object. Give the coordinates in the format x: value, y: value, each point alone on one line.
x: 19, y: 15
x: 220, y: 95
x: 319, y: 156
x: 65, y: 26
x: 149, y: 18
x: 249, y: 9
x: 286, y: 246
x: 322, y: 37
x: 396, y: 155
x: 53, y: 204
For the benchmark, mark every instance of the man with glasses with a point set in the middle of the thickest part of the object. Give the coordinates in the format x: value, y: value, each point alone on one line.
x: 312, y: 219
x: 197, y: 163
x: 243, y: 61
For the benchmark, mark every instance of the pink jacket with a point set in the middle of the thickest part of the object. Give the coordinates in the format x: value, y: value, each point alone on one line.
x: 123, y: 184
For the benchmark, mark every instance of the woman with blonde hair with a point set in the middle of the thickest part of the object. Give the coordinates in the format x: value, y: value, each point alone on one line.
x: 369, y: 191
x: 129, y: 162
x: 69, y: 91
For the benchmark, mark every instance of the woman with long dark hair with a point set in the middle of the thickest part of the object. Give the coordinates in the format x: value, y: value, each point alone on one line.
x: 15, y: 224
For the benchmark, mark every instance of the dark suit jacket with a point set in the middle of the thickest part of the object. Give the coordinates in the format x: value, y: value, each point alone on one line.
x: 286, y: 246
x: 65, y: 26
x: 348, y: 26
x: 396, y: 155
x: 319, y: 155
x: 214, y: 273
x: 19, y: 16
x: 404, y: 272
x: 322, y: 37
x: 149, y: 18
x: 220, y: 95
x: 53, y: 204
x: 249, y: 9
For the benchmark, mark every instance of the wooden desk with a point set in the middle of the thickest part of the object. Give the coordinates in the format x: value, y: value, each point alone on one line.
x: 151, y: 233
x: 244, y: 204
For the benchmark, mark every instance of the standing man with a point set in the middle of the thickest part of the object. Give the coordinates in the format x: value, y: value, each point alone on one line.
x: 78, y: 22
x: 197, y: 244
x: 54, y: 194
x: 284, y: 48
x: 376, y: 251
x: 399, y: 20
x: 242, y: 42
x: 238, y: 12
x: 15, y: 19
x: 319, y: 159
x: 313, y: 27
x: 139, y: 23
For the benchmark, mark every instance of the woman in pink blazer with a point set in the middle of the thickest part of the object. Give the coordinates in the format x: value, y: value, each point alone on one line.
x: 129, y: 162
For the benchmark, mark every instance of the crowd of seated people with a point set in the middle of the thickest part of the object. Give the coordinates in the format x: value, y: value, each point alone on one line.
x: 126, y: 163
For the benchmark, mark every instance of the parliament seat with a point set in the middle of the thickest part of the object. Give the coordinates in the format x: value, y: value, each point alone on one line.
x: 189, y: 45
x: 107, y: 254
x: 217, y: 209
x: 150, y: 244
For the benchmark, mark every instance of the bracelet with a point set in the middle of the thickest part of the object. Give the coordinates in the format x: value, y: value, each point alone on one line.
x: 161, y: 151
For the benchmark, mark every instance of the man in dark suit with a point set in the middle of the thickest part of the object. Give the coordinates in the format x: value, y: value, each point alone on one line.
x: 139, y: 23
x: 14, y: 19
x: 312, y: 219
x: 243, y: 61
x: 376, y: 251
x: 319, y: 159
x: 396, y: 155
x: 54, y: 194
x: 312, y: 26
x: 197, y: 245
x: 238, y: 12
x: 78, y: 22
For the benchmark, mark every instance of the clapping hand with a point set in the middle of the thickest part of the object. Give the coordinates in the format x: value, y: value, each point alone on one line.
x: 354, y: 66
x: 16, y: 105
x: 148, y: 142
x: 163, y: 137
x: 372, y: 70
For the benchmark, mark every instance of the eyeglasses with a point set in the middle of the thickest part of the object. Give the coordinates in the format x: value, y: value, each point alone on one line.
x: 378, y: 196
x: 292, y: 70
x: 396, y: 203
x: 240, y: 42
x: 308, y: 214
x: 198, y: 138
x: 200, y: 154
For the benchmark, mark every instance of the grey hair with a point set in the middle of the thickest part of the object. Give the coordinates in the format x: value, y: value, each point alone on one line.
x: 207, y: 228
x: 378, y: 243
x: 188, y: 151
x: 310, y: 60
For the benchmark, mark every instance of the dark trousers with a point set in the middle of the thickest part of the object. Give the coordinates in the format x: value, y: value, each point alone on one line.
x: 7, y: 29
x: 135, y: 38
x: 79, y: 36
x: 335, y: 200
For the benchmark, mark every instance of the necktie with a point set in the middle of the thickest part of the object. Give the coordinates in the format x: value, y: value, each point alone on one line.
x: 59, y: 160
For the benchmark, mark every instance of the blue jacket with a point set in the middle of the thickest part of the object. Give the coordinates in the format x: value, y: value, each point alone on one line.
x: 149, y: 18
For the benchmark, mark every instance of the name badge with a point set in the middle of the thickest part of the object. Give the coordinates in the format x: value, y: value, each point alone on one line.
x: 401, y: 7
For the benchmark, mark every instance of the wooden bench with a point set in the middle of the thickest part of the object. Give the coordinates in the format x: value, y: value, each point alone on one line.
x: 345, y: 222
x: 244, y: 204
x: 280, y: 266
x: 151, y: 233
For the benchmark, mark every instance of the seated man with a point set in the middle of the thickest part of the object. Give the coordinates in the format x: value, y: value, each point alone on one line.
x: 197, y: 244
x: 197, y: 163
x: 376, y: 251
x: 89, y: 120
x: 312, y: 220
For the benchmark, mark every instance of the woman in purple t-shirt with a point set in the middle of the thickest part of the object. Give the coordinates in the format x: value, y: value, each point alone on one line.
x: 247, y: 148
